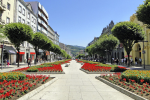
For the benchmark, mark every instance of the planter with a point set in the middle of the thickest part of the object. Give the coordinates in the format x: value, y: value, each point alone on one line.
x: 35, y: 91
x: 88, y: 72
x: 122, y: 90
x: 43, y: 72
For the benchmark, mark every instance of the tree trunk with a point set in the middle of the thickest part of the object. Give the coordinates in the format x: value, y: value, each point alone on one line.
x: 128, y: 61
x: 18, y: 56
x: 35, y: 55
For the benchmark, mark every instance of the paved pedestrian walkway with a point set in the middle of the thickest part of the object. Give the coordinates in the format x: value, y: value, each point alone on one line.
x: 14, y: 67
x: 77, y: 85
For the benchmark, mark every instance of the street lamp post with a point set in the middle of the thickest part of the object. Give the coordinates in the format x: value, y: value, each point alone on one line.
x: 143, y: 52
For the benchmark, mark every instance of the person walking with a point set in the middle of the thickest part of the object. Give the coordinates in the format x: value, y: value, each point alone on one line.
x: 131, y: 61
x: 140, y: 61
x: 29, y: 61
x: 135, y: 60
x: 7, y: 62
x: 122, y: 61
x: 117, y: 61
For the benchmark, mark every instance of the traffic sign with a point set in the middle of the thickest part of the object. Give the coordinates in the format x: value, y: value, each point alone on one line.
x: 143, y: 52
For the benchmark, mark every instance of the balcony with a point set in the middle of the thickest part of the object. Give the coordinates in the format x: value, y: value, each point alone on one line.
x: 44, y: 31
x: 2, y: 6
x: 40, y: 6
x: 39, y: 28
x: 2, y: 21
x: 44, y: 11
x: 44, y: 18
x: 39, y: 20
x: 39, y: 13
x: 44, y: 24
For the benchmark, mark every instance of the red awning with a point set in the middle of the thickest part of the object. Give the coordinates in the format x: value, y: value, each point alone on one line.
x: 21, y: 53
x: 32, y: 53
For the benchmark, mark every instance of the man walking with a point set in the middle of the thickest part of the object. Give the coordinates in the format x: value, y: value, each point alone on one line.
x: 29, y: 61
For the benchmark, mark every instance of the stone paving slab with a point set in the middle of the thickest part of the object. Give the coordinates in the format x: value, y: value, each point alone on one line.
x: 77, y: 85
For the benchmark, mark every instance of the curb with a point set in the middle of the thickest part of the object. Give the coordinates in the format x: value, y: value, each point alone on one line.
x: 98, y: 72
x: 37, y: 90
x: 122, y: 90
x: 43, y: 72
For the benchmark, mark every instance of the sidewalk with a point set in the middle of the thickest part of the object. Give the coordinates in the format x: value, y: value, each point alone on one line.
x: 135, y: 67
x: 77, y: 85
x: 21, y: 65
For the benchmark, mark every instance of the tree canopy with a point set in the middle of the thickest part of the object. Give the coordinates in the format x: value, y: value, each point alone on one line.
x: 128, y: 33
x: 17, y: 33
x: 143, y: 13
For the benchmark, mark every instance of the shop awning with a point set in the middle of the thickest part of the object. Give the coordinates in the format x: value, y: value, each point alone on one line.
x: 32, y: 53
x: 21, y: 53
x: 10, y: 49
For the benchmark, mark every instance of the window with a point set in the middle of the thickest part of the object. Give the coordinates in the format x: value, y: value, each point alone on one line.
x: 8, y: 6
x: 28, y: 23
x: 34, y: 29
x: 8, y: 20
x: 20, y: 8
x: 19, y: 19
x: 23, y: 12
x: 28, y: 15
x: 23, y: 21
x: 32, y: 19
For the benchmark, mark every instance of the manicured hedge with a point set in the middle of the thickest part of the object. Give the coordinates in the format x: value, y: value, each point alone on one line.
x: 12, y: 76
x: 136, y: 75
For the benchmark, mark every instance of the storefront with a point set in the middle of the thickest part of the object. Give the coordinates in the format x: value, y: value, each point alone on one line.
x: 47, y: 55
x: 32, y: 55
x: 21, y: 59
x: 9, y: 53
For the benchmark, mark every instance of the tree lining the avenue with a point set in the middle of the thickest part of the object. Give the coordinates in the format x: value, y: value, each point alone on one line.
x: 128, y: 33
x: 143, y: 13
x: 17, y: 33
x: 103, y: 44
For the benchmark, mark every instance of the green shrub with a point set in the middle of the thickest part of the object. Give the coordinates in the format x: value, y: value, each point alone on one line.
x: 32, y: 69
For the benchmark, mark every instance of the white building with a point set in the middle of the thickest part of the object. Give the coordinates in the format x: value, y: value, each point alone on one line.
x: 24, y: 14
x: 56, y: 41
x: 42, y: 15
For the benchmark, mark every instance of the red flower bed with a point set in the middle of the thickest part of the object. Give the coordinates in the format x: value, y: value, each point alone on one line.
x: 141, y: 88
x: 51, y: 69
x: 15, y: 88
x: 92, y: 67
x: 102, y: 67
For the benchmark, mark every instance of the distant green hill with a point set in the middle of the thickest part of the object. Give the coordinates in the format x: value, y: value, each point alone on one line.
x: 75, y: 49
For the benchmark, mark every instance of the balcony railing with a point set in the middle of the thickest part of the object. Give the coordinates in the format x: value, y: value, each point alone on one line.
x: 44, y: 24
x: 39, y: 20
x: 40, y: 6
x: 43, y: 9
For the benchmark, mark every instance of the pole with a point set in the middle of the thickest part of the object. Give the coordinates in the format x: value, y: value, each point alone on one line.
x: 2, y: 56
x: 144, y: 54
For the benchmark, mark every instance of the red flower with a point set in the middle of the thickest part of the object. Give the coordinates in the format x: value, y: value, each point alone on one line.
x: 124, y: 79
x: 142, y: 80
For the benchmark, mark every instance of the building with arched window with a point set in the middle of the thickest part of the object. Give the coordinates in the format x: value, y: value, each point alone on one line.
x: 138, y: 47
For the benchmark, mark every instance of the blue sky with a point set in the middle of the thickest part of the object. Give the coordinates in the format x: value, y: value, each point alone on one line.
x: 79, y: 21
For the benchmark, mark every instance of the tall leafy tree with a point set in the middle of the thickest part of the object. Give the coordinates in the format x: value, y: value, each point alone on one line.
x: 17, y: 33
x: 143, y: 13
x: 40, y: 41
x: 108, y: 42
x: 128, y: 33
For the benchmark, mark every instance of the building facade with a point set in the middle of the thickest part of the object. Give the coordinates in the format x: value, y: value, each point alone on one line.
x: 24, y: 14
x: 56, y: 41
x: 7, y: 8
x: 138, y: 47
x: 42, y: 17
